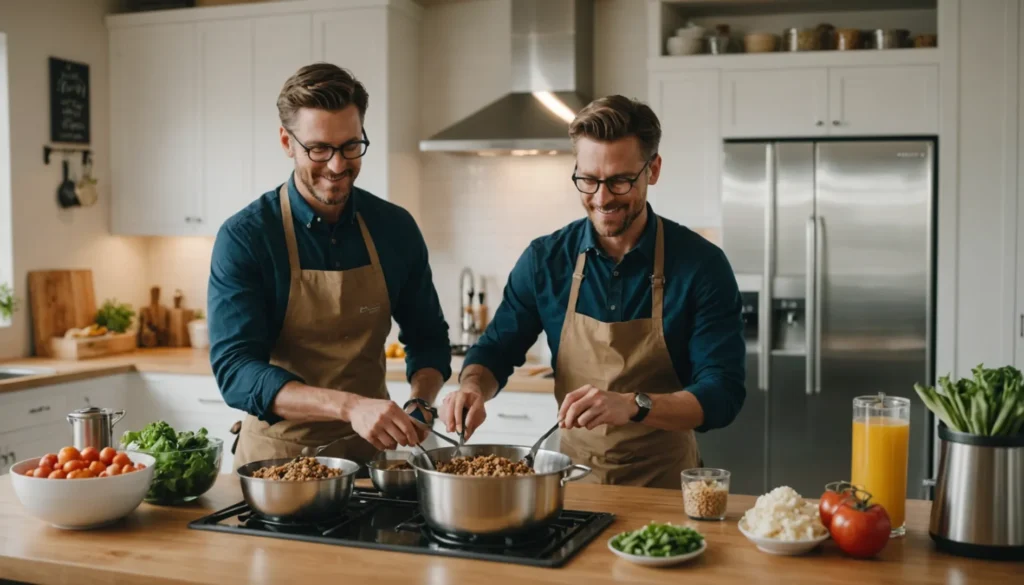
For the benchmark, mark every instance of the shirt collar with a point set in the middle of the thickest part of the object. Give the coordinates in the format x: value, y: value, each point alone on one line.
x: 305, y: 214
x: 645, y: 245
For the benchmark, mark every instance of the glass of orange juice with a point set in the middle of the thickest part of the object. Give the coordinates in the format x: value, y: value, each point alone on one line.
x: 881, y: 442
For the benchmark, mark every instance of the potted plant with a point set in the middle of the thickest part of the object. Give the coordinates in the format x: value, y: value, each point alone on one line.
x: 198, y: 335
x: 981, y: 462
x: 8, y: 302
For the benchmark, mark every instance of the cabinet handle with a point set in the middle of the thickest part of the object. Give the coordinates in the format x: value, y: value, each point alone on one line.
x: 209, y: 401
x: 835, y: 122
x: 198, y: 219
x: 188, y: 219
x: 38, y: 409
x: 516, y: 416
x: 819, y: 123
x: 1022, y: 324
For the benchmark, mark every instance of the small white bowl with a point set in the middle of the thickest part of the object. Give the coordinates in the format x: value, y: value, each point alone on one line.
x: 658, y: 561
x: 78, y: 504
x: 774, y: 546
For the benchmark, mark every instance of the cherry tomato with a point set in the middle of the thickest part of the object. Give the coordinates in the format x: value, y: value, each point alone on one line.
x: 57, y: 474
x: 122, y: 459
x: 68, y: 454
x: 74, y: 465
x: 107, y: 455
x: 140, y: 466
x: 42, y: 472
x: 49, y: 459
x: 97, y: 466
x: 860, y: 528
x: 90, y: 454
x: 113, y: 469
x: 128, y: 469
x: 830, y: 500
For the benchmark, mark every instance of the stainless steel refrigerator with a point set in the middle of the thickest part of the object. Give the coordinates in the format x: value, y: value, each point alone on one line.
x: 832, y: 245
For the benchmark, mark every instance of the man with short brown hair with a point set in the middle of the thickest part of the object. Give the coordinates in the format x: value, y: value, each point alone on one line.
x: 643, y: 317
x: 304, y: 283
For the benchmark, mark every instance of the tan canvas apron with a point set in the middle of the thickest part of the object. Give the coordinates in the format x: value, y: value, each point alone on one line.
x: 333, y: 336
x: 625, y: 357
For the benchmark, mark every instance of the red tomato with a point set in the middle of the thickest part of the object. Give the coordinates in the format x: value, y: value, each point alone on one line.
x: 860, y: 528
x: 107, y: 455
x: 122, y: 459
x: 49, y: 459
x: 113, y: 469
x: 834, y: 494
x: 97, y: 466
x: 57, y: 474
x: 68, y: 454
x: 74, y: 465
x: 42, y: 472
x: 90, y: 454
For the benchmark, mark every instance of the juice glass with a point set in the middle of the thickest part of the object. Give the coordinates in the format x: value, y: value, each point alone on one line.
x: 881, y: 441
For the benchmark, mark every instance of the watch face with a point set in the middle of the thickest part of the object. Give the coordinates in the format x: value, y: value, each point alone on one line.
x: 643, y: 400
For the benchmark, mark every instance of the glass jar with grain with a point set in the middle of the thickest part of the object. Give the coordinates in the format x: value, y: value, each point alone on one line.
x: 705, y: 493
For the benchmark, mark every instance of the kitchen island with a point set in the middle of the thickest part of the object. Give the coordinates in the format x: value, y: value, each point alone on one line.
x: 153, y: 545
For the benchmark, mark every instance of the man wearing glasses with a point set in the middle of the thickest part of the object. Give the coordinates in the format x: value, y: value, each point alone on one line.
x: 643, y: 316
x: 304, y: 283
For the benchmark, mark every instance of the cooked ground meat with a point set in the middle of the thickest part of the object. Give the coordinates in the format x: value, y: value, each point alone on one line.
x: 392, y: 465
x: 298, y: 469
x: 484, y: 465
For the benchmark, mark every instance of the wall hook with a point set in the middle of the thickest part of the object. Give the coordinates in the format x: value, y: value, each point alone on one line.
x: 48, y: 150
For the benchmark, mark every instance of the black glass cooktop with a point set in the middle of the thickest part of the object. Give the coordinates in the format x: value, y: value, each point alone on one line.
x: 373, y: 521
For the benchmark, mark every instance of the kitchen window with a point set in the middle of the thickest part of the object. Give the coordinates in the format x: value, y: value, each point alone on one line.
x: 6, y: 211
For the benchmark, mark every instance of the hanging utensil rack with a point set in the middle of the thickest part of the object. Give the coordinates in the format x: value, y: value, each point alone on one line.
x: 48, y: 150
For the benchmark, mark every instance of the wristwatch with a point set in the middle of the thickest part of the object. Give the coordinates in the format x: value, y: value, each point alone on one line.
x: 422, y: 407
x: 643, y: 402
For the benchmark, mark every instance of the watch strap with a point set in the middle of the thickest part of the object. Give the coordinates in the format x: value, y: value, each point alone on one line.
x: 422, y: 407
x: 642, y: 411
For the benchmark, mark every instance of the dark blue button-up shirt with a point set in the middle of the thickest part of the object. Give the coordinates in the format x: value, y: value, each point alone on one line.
x: 250, y: 282
x: 702, y: 310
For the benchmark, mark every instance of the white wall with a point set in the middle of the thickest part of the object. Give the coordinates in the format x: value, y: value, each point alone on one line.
x: 45, y: 236
x: 6, y: 252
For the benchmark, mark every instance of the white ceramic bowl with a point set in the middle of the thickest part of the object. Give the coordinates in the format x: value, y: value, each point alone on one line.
x: 658, y: 561
x: 775, y: 546
x: 77, y: 504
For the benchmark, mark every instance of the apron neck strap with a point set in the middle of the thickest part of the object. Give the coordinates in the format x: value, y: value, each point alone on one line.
x: 577, y: 279
x: 289, y: 233
x: 658, y: 275
x: 371, y: 249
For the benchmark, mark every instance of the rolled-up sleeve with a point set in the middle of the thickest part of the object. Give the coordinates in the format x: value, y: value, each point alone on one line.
x: 515, y: 326
x: 423, y: 329
x: 717, y: 349
x: 238, y: 316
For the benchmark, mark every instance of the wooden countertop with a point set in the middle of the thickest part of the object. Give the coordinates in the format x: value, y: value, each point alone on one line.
x: 153, y: 545
x: 197, y: 362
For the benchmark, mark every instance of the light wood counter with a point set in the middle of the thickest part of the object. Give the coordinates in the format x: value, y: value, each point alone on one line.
x: 153, y: 545
x: 196, y: 361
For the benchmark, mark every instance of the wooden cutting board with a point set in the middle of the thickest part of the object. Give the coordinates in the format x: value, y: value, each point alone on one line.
x: 59, y: 300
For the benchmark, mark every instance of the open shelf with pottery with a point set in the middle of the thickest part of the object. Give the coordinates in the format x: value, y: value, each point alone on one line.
x: 842, y: 29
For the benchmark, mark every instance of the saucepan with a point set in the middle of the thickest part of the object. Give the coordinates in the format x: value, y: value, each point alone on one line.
x: 302, y: 500
x: 392, y: 474
x: 469, y: 506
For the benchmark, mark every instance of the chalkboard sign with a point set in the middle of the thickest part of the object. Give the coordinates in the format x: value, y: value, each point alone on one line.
x: 69, y: 101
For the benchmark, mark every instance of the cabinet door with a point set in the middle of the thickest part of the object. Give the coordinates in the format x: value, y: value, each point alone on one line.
x: 774, y: 103
x: 1019, y: 263
x: 337, y: 37
x: 687, y: 103
x: 226, y: 100
x: 154, y: 130
x: 280, y: 46
x: 883, y: 100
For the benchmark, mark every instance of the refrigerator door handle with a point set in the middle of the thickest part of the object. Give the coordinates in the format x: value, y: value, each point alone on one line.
x: 819, y: 275
x: 809, y: 305
x: 765, y: 318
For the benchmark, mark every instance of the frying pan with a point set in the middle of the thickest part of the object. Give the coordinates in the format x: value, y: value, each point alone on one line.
x: 66, y: 195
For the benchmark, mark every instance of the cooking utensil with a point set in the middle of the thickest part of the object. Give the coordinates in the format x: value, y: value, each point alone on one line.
x: 85, y: 188
x: 468, y: 505
x: 462, y: 434
x: 316, y: 451
x: 93, y: 427
x: 393, y: 482
x: 978, y: 509
x: 530, y: 457
x: 298, y: 501
x: 66, y: 196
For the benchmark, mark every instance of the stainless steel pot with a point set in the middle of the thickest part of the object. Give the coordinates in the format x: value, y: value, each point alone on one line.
x: 93, y: 427
x: 399, y: 483
x: 491, y: 506
x: 298, y: 501
x: 978, y: 509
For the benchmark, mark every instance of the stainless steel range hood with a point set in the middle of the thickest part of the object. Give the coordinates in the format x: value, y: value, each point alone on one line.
x: 552, y: 79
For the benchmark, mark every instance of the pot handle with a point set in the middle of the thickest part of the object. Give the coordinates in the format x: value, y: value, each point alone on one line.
x: 118, y: 415
x: 575, y: 467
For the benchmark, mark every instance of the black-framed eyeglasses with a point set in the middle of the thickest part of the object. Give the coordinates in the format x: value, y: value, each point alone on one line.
x: 616, y: 185
x: 325, y: 152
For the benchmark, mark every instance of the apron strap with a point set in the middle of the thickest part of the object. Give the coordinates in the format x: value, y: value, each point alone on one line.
x: 371, y: 249
x: 658, y: 277
x: 289, y: 233
x: 577, y: 279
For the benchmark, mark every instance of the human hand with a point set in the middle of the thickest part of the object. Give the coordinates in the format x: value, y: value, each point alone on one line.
x: 384, y: 424
x: 589, y: 407
x: 467, y: 398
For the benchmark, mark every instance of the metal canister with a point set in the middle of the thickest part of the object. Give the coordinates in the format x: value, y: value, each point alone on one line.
x: 93, y: 427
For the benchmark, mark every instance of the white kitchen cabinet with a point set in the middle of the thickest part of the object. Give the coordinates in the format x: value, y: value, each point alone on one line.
x: 194, y: 121
x: 687, y: 104
x: 774, y: 103
x: 1019, y: 260
x: 154, y: 130
x: 883, y: 100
